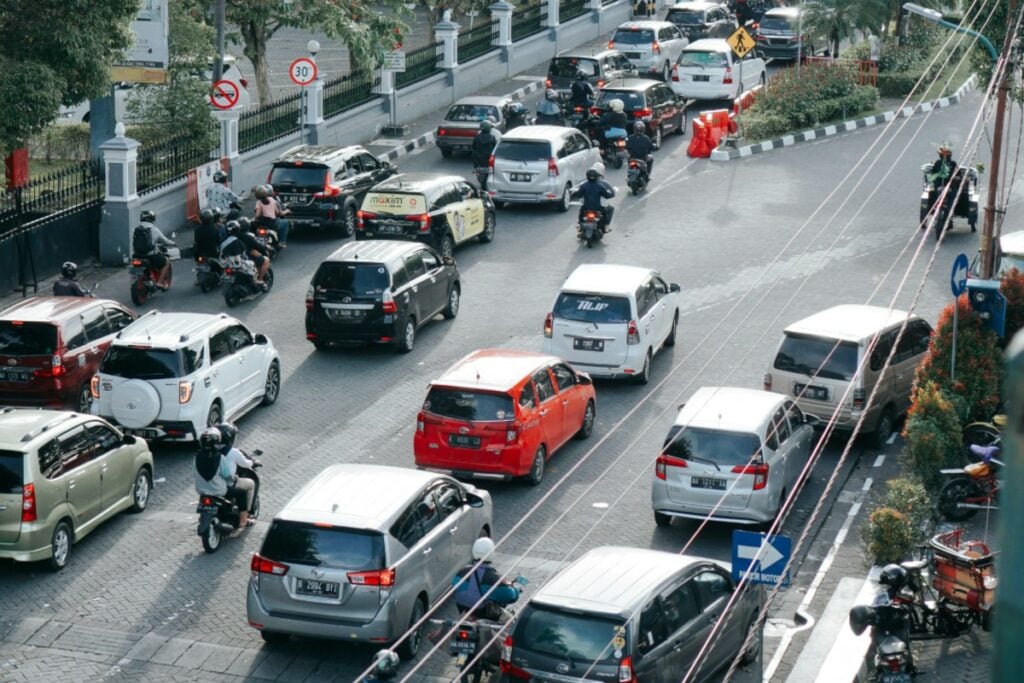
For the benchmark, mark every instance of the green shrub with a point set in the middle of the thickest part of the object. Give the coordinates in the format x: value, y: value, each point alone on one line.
x: 888, y: 535
x: 763, y: 126
x: 1012, y: 287
x: 908, y: 495
x: 932, y: 432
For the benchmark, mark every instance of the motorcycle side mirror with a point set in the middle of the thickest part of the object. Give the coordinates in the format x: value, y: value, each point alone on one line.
x: 474, y: 500
x: 674, y: 287
x: 261, y: 339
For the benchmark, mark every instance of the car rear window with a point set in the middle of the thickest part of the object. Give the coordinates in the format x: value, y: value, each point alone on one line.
x: 685, y: 17
x: 625, y: 36
x: 568, y: 635
x: 286, y: 177
x: 471, y: 112
x: 703, y: 58
x: 461, y: 404
x: 631, y: 100
x: 523, y: 150
x: 12, y: 471
x: 321, y: 546
x: 816, y: 356
x: 774, y: 24
x: 364, y: 279
x: 567, y: 67
x: 592, y: 308
x: 27, y: 339
x: 141, y: 363
x: 395, y: 203
x: 721, y: 447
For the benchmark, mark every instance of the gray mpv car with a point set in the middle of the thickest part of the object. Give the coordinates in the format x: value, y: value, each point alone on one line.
x: 361, y: 551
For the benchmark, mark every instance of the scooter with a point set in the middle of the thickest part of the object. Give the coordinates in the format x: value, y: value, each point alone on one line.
x: 144, y: 279
x: 973, y: 487
x: 890, y: 637
x: 209, y: 272
x: 613, y: 152
x: 241, y: 285
x: 636, y: 175
x: 269, y: 239
x: 219, y: 515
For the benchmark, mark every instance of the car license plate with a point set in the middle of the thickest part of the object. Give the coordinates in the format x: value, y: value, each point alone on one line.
x: 463, y: 441
x: 583, y: 344
x: 344, y: 314
x: 810, y: 392
x: 13, y: 376
x: 458, y: 646
x: 288, y: 198
x: 708, y: 483
x: 889, y: 677
x: 704, y: 78
x: 520, y: 177
x: 322, y: 589
x: 389, y: 229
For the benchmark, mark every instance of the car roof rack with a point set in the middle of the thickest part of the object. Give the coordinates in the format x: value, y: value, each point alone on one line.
x: 60, y: 419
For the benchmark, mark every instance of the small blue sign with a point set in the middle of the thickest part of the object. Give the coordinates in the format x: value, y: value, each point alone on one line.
x: 765, y: 556
x: 958, y: 278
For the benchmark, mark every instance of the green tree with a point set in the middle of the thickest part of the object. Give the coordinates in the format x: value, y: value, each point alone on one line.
x: 367, y: 30
x: 55, y: 52
x: 841, y: 19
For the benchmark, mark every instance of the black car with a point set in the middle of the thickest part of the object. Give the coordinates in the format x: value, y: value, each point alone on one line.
x: 599, y: 64
x: 380, y: 292
x: 652, y: 102
x: 322, y: 186
x: 702, y: 19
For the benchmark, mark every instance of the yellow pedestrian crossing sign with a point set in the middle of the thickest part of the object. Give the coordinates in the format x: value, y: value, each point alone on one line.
x: 740, y: 42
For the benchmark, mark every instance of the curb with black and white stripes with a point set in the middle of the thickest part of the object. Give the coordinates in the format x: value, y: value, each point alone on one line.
x: 427, y: 139
x: 828, y: 131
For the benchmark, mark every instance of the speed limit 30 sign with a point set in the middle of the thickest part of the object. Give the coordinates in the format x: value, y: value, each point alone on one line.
x: 302, y: 71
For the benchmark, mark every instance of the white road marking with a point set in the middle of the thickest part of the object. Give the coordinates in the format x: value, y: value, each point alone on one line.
x: 879, y: 460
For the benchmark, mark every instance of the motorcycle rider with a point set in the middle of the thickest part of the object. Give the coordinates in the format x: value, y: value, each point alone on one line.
x: 481, y: 150
x: 147, y: 248
x: 215, y: 474
x: 592, y: 191
x: 235, y: 458
x: 207, y: 235
x: 582, y: 92
x: 549, y: 111
x: 639, y: 146
x: 614, y: 121
x: 515, y: 116
x: 944, y: 168
x: 472, y: 585
x: 220, y: 197
x: 282, y: 223
x: 269, y: 213
x: 68, y: 285
x: 256, y: 252
x: 235, y: 250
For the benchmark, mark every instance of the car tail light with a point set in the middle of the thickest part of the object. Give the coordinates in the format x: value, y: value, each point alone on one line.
x: 422, y: 218
x: 675, y: 73
x: 626, y: 670
x: 388, y: 302
x: 760, y: 472
x: 244, y: 82
x: 137, y: 262
x: 600, y: 83
x: 512, y: 432
x: 767, y: 381
x: 507, y: 667
x: 611, y: 44
x: 727, y: 78
x: 56, y: 368
x: 420, y: 426
x: 632, y: 333
x: 441, y: 132
x: 184, y: 392
x: 552, y: 168
x: 490, y: 162
x: 663, y: 462
x: 547, y: 82
x: 549, y: 324
x: 362, y: 217
x: 760, y: 38
x: 94, y: 387
x: 262, y: 565
x: 655, y: 48
x: 643, y: 113
x: 329, y: 190
x: 28, y: 503
x: 377, y: 577
x: 858, y: 399
x: 309, y: 298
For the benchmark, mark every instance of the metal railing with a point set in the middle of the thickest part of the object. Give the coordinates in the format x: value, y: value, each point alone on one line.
x: 168, y: 160
x: 269, y: 123
x: 478, y: 41
x: 570, y: 9
x: 528, y: 20
x: 60, y: 190
x: 348, y: 91
x: 420, y: 63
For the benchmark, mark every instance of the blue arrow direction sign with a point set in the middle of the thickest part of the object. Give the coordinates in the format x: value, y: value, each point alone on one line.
x: 958, y: 278
x: 766, y: 557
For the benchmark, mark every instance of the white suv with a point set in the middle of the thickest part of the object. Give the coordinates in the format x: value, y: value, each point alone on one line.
x: 170, y: 375
x: 609, y: 320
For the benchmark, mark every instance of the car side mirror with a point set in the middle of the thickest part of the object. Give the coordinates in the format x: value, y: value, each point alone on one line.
x: 128, y: 439
x: 474, y: 501
x: 448, y: 260
x: 812, y: 420
x: 674, y: 287
x: 121, y: 324
x: 585, y: 380
x: 261, y: 339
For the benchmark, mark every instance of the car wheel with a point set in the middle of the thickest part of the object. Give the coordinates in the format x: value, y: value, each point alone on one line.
x: 408, y: 338
x: 446, y: 152
x: 645, y: 375
x: 140, y: 490
x: 753, y: 650
x: 215, y: 416
x: 447, y: 246
x: 211, y: 539
x: 452, y: 309
x: 348, y: 224
x: 488, y: 234
x: 656, y: 140
x: 661, y: 519
x: 536, y: 473
x: 565, y: 201
x: 85, y: 400
x: 60, y: 546
x: 883, y: 430
x: 273, y: 638
x: 587, y: 425
x: 681, y: 128
x: 410, y: 647
x: 671, y: 339
x: 666, y: 72
x: 272, y: 387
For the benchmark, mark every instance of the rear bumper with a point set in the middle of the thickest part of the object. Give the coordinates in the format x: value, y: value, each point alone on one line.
x: 499, y: 194
x: 160, y: 430
x: 486, y: 463
x: 33, y: 544
x: 696, y: 91
x: 328, y: 332
x: 379, y: 630
x: 778, y: 51
x: 751, y: 514
x: 452, y: 141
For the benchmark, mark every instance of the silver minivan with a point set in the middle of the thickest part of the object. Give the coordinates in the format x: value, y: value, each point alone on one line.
x: 732, y: 455
x: 361, y: 552
x: 818, y: 359
x: 540, y: 164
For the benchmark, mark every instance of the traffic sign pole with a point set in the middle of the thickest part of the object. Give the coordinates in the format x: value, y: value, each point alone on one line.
x: 958, y: 284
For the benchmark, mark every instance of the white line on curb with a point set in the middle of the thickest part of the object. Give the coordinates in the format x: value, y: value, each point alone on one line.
x: 879, y: 460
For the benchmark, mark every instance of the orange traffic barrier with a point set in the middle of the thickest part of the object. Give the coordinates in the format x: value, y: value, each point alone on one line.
x: 700, y: 144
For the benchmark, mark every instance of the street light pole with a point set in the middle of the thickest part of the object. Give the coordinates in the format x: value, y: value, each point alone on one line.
x: 935, y: 17
x: 218, y: 20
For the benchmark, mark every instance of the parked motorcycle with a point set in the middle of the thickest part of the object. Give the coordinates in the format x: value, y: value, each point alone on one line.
x: 144, y: 278
x: 209, y: 272
x: 636, y: 175
x: 974, y: 486
x: 219, y: 515
x: 890, y: 637
x: 241, y: 285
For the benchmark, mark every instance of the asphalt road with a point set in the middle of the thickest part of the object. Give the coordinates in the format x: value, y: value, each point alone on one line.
x: 739, y: 238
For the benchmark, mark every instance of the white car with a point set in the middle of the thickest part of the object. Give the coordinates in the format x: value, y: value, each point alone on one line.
x: 609, y: 320
x: 651, y: 46
x: 168, y: 376
x: 708, y: 70
x: 540, y: 164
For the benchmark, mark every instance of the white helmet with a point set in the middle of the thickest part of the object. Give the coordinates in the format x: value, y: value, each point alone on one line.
x: 483, y: 548
x: 599, y: 167
x: 617, y: 105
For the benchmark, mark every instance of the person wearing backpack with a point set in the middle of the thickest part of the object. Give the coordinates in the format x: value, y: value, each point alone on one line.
x: 147, y: 241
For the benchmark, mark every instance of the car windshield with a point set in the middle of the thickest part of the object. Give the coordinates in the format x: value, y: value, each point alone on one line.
x: 523, y: 150
x: 580, y: 638
x: 465, y: 113
x: 364, y: 279
x: 133, y: 362
x: 817, y: 357
x: 318, y: 546
x: 703, y: 58
x: 12, y: 474
x: 774, y: 24
x: 592, y: 308
x: 625, y: 36
x: 567, y: 67
x: 473, y: 406
x: 286, y: 177
x: 685, y: 17
x: 718, y: 446
x: 27, y: 339
x: 631, y: 100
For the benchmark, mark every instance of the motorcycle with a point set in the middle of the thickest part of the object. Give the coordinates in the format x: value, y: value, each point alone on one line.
x: 268, y: 238
x: 209, y: 272
x: 514, y: 119
x: 241, y: 285
x: 974, y: 487
x: 636, y: 175
x: 219, y: 515
x: 890, y: 637
x: 613, y: 152
x: 144, y: 278
x: 580, y: 118
x: 956, y: 202
x: 591, y: 227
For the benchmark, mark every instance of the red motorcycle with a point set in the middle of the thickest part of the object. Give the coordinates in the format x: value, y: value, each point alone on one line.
x: 144, y: 278
x: 974, y: 486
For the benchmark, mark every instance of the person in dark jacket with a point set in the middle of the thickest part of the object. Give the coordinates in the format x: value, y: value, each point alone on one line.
x: 481, y: 150
x: 592, y: 192
x: 639, y: 146
x: 472, y: 584
x: 944, y: 168
x: 614, y: 121
x: 68, y: 285
x: 582, y: 92
x: 207, y: 235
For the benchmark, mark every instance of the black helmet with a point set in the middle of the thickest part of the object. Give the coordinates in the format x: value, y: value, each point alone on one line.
x: 580, y: 76
x: 228, y: 432
x: 639, y: 127
x: 893, y: 576
x: 220, y: 177
x: 207, y: 217
x: 231, y: 227
x: 592, y: 174
x: 861, y: 617
x: 147, y: 216
x: 210, y: 438
x: 244, y: 224
x: 485, y: 126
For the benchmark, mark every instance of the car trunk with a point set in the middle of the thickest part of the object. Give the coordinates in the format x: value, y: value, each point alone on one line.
x: 706, y: 467
x: 816, y: 371
x: 634, y: 103
x: 590, y: 328
x: 522, y: 166
x: 158, y: 367
x: 576, y: 644
x: 350, y: 293
x: 333, y: 573
x: 467, y: 425
x: 296, y: 184
x: 703, y: 67
x: 27, y: 352
x: 777, y: 32
x: 395, y: 214
x: 12, y: 478
x: 562, y: 71
x: 689, y: 21
x: 635, y: 44
x: 462, y: 122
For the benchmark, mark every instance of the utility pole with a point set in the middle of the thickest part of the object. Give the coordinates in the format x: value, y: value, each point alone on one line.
x: 218, y: 20
x: 988, y: 226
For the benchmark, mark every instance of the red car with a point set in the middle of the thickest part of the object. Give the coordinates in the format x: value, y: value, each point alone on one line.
x: 502, y: 414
